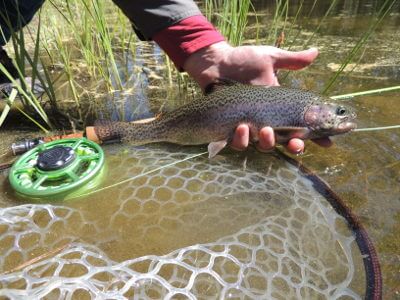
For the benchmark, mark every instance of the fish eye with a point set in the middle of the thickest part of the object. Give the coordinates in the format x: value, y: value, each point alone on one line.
x: 340, y: 110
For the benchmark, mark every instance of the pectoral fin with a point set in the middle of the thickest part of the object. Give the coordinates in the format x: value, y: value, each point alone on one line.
x: 284, y: 134
x: 215, y: 147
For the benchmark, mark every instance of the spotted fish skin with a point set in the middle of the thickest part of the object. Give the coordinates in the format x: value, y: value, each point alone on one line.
x: 214, y: 117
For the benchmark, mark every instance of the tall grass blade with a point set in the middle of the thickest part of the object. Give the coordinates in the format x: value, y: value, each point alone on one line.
x: 32, y: 120
x: 384, y: 10
x: 231, y: 17
x: 282, y: 9
x: 320, y: 23
x: 7, y: 108
x: 364, y: 93
x: 28, y: 96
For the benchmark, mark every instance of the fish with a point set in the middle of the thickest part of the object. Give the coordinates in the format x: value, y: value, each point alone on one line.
x: 213, y: 118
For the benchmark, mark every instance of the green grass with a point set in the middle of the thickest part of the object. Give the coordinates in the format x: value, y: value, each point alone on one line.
x: 364, y: 93
x: 230, y: 16
x: 76, y: 48
x: 71, y: 33
x: 29, y: 100
x: 379, y: 17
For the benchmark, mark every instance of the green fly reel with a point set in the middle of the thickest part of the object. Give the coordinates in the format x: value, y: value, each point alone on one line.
x: 57, y: 168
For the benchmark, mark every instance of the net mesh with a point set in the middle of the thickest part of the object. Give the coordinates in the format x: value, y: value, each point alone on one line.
x: 196, y: 229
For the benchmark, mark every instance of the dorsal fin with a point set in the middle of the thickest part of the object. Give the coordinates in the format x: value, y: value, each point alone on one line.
x: 219, y: 84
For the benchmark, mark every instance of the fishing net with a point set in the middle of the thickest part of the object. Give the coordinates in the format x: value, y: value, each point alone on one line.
x: 230, y: 227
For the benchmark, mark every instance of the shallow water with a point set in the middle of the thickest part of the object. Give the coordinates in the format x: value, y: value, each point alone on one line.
x: 252, y: 206
x: 203, y: 226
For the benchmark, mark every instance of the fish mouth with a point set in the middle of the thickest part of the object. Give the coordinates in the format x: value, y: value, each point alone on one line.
x: 346, y: 126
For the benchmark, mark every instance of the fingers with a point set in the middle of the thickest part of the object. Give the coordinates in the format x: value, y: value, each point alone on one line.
x: 294, y: 60
x: 295, y: 146
x: 266, y: 139
x: 241, y: 137
x: 274, y: 80
x: 267, y: 142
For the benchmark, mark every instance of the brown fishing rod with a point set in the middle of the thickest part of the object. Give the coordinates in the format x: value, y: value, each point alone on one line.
x: 25, y: 145
x: 103, y: 133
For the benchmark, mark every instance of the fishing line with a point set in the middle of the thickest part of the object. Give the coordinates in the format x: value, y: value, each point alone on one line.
x: 376, y: 128
x: 139, y: 175
x: 369, y: 92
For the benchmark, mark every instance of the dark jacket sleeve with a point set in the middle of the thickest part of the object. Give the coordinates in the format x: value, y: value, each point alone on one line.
x: 151, y: 16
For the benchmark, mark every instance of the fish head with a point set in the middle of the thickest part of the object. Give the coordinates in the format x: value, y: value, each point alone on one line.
x: 330, y: 119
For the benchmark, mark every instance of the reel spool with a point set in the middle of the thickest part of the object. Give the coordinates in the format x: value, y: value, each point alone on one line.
x: 57, y: 168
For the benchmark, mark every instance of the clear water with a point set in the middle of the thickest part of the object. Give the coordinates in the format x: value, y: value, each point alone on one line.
x: 202, y: 202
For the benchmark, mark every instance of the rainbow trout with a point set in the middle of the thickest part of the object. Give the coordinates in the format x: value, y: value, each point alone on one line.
x: 212, y: 119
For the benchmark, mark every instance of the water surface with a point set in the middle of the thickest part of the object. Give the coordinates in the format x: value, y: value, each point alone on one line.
x: 237, y: 203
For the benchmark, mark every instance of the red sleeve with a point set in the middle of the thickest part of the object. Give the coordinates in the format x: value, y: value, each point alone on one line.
x: 184, y: 38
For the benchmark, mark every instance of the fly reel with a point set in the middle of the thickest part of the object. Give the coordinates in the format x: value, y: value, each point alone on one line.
x: 57, y: 168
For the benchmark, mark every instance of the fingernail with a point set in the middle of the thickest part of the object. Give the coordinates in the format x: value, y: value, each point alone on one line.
x: 299, y: 151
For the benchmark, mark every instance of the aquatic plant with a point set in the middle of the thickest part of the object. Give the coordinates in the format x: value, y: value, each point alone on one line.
x: 80, y: 54
x: 25, y: 90
x: 64, y: 37
x: 363, y: 93
x: 380, y: 15
x: 230, y: 17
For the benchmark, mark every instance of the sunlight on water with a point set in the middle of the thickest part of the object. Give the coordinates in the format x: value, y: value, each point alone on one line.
x: 240, y: 225
x: 200, y: 225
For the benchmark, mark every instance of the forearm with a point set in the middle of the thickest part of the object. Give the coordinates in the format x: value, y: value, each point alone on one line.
x: 177, y: 26
x: 151, y: 16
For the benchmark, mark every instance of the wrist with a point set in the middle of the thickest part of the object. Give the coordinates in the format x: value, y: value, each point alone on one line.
x: 206, y: 64
x: 186, y: 37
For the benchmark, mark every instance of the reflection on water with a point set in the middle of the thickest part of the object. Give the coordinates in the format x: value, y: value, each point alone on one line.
x: 202, y: 226
x: 259, y: 218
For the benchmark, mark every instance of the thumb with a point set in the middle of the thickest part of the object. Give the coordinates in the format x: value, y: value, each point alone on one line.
x: 294, y: 60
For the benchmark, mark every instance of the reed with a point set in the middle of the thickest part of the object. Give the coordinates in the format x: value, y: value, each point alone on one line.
x: 279, y: 21
x: 89, y: 33
x: 380, y: 15
x: 65, y: 56
x: 72, y: 32
x: 10, y: 101
x: 230, y: 17
x: 30, y: 102
x: 321, y: 22
x: 80, y: 40
x: 364, y: 93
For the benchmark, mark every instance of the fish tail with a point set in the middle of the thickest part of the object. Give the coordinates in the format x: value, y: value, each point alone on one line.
x: 107, y: 131
x: 115, y: 131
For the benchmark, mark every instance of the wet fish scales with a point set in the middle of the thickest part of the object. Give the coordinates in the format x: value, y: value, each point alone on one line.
x: 214, y: 117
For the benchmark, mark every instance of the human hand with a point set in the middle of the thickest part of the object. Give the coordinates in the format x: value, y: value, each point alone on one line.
x: 253, y: 65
